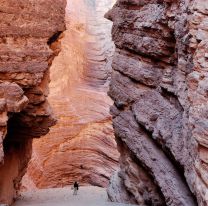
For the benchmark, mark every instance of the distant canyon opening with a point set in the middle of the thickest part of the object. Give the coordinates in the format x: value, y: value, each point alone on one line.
x: 81, y: 146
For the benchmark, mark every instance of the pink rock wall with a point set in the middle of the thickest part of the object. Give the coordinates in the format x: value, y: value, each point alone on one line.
x: 160, y: 117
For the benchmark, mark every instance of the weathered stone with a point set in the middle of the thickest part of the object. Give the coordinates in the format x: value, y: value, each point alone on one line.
x: 25, y: 30
x: 159, y: 87
x: 82, y: 145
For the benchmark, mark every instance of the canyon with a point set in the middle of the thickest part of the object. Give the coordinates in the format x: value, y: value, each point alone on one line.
x: 81, y: 146
x: 152, y: 145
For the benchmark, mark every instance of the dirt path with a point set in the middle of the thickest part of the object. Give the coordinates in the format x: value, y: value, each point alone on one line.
x: 87, y: 196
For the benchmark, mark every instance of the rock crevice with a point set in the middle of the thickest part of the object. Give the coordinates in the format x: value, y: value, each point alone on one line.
x: 81, y: 146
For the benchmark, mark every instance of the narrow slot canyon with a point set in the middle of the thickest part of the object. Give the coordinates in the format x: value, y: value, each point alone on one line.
x: 82, y: 141
x: 111, y: 94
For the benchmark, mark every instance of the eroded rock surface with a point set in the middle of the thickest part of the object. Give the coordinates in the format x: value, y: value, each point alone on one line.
x: 27, y: 30
x: 82, y: 145
x: 159, y: 87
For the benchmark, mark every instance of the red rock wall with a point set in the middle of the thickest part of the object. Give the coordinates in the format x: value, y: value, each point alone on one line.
x: 27, y: 30
x: 82, y: 145
x: 159, y: 85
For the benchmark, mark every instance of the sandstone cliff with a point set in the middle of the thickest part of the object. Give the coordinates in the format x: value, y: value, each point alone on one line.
x: 27, y: 30
x: 159, y: 87
x: 82, y: 145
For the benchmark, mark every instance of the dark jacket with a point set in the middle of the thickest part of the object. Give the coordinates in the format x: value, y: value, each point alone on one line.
x: 76, y: 185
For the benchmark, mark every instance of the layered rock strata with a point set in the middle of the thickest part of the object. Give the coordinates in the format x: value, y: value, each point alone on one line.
x: 82, y: 145
x: 159, y: 87
x: 28, y: 29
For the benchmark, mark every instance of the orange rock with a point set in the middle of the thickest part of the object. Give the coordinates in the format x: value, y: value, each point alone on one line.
x: 25, y: 58
x: 81, y: 146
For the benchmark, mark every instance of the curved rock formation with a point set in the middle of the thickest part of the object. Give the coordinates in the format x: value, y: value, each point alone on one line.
x: 82, y: 145
x: 28, y: 29
x: 159, y: 87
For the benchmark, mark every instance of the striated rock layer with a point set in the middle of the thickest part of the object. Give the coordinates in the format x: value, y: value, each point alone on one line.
x: 82, y: 145
x: 27, y: 30
x: 160, y: 113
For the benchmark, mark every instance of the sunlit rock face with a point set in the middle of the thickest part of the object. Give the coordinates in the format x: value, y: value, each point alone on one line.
x: 160, y: 113
x: 27, y: 31
x: 81, y: 146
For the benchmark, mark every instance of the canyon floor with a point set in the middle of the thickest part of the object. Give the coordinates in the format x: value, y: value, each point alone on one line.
x: 87, y: 196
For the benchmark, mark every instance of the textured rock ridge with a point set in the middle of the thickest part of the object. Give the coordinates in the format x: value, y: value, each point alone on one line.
x: 82, y: 145
x: 159, y: 85
x: 28, y: 29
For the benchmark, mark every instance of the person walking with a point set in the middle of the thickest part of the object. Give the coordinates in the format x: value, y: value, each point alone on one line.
x: 76, y: 188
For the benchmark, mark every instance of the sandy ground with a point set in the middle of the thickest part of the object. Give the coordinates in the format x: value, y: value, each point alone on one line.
x: 87, y: 196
